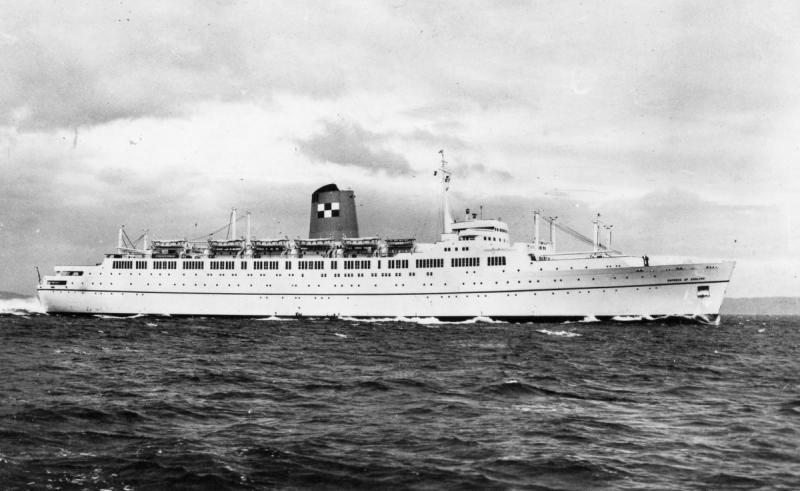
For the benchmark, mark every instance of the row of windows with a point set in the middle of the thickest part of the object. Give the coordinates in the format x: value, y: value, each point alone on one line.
x: 348, y: 264
x: 398, y: 263
x: 310, y: 265
x: 265, y: 264
x: 465, y: 262
x: 430, y: 263
x: 352, y: 264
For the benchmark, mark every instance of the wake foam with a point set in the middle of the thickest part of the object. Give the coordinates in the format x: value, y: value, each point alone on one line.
x: 20, y: 306
x: 415, y: 320
x: 426, y: 321
x: 631, y: 318
x: 714, y: 320
x: 118, y: 317
x: 566, y: 334
x: 586, y: 320
x: 481, y: 319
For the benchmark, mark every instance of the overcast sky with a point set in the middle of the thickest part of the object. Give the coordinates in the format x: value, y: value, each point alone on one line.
x: 678, y: 121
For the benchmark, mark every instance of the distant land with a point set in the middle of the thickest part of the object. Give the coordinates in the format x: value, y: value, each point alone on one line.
x: 731, y: 306
x: 12, y: 295
x: 761, y: 306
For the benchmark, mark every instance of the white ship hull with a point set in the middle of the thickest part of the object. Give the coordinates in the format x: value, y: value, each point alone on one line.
x: 473, y: 271
x: 546, y: 289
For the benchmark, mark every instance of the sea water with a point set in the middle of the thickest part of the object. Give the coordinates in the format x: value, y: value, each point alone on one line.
x: 210, y: 403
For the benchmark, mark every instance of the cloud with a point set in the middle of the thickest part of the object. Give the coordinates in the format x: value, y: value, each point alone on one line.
x: 87, y: 64
x: 351, y: 145
x: 680, y: 221
x: 441, y: 139
x: 483, y: 170
x: 571, y: 107
x: 94, y: 62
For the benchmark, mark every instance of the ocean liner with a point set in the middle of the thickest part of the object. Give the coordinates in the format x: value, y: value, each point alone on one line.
x: 473, y: 270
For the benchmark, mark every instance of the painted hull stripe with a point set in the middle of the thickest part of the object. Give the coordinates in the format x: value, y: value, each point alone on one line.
x: 385, y: 294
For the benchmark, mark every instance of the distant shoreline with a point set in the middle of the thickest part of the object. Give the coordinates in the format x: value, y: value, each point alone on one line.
x: 14, y: 295
x: 761, y: 305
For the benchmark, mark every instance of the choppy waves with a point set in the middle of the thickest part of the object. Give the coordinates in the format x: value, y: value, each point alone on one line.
x: 157, y: 402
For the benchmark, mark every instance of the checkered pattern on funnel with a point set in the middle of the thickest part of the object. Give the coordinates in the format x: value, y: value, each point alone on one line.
x: 327, y: 210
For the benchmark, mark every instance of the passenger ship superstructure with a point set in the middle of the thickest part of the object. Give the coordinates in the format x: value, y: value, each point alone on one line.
x: 472, y: 271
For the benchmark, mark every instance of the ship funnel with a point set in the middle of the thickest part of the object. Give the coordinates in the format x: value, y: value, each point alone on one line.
x: 333, y: 213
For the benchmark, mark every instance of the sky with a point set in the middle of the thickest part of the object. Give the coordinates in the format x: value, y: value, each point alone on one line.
x: 677, y: 121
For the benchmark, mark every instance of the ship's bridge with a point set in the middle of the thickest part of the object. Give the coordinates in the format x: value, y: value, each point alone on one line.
x: 490, y: 233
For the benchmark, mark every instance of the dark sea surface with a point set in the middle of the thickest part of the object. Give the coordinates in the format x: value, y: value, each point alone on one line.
x: 208, y: 403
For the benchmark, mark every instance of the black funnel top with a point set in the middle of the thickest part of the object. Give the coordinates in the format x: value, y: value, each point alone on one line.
x: 333, y: 213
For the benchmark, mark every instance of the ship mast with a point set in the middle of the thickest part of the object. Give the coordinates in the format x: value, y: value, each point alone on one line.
x: 248, y: 246
x: 247, y: 238
x: 447, y: 219
x: 120, y: 242
x: 608, y: 240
